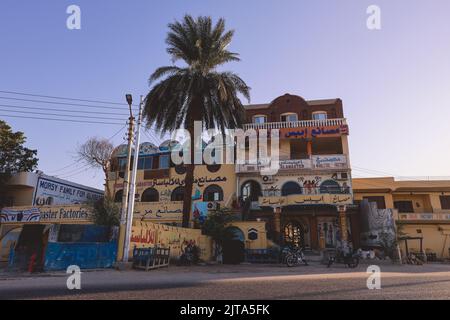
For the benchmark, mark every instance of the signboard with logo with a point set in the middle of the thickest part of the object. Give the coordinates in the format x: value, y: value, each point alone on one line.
x: 54, y: 192
x: 335, y: 199
x: 313, y: 132
x: 46, y: 214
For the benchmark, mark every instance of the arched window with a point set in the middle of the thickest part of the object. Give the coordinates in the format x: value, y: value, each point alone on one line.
x: 213, y: 193
x: 177, y: 194
x: 251, y: 189
x: 330, y: 186
x: 118, y: 196
x: 291, y: 188
x: 150, y: 195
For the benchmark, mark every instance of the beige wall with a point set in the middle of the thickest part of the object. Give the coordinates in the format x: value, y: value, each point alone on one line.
x: 436, y: 238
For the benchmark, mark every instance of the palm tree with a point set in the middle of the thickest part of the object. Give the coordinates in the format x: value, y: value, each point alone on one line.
x: 196, y: 91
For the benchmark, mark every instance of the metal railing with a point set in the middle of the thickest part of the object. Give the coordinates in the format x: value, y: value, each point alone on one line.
x: 296, y: 124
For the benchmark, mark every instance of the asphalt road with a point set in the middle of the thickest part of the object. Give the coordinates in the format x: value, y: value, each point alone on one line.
x: 241, y: 282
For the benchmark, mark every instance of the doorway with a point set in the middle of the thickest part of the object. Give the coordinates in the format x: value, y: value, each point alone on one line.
x: 233, y: 247
x: 296, y: 233
x: 29, y: 253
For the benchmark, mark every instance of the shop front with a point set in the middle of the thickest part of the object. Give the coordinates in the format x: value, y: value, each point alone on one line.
x: 52, y: 238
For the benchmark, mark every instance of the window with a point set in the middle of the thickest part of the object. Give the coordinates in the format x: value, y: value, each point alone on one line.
x: 445, y: 202
x: 404, y: 206
x: 122, y: 164
x: 319, y: 115
x: 164, y: 162
x: 150, y: 195
x: 145, y: 163
x: 177, y: 194
x: 213, y: 167
x: 381, y: 203
x: 259, y: 119
x: 213, y: 193
x: 289, y: 117
x: 291, y: 188
x: 118, y: 196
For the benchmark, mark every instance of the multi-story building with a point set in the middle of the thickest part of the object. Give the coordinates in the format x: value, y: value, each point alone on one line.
x: 421, y: 211
x: 306, y: 201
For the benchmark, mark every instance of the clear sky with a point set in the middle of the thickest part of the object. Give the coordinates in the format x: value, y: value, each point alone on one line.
x: 394, y: 82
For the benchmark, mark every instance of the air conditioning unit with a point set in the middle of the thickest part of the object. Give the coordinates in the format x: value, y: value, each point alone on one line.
x: 268, y: 179
x: 213, y: 206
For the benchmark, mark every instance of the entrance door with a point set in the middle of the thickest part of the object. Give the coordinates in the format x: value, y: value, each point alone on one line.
x: 296, y: 234
x: 30, y: 246
x: 233, y: 247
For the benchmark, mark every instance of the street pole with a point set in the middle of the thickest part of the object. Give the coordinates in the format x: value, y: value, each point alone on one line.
x: 133, y: 185
x: 126, y: 179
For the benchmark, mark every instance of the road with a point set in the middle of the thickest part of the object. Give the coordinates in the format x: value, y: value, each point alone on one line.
x: 240, y: 282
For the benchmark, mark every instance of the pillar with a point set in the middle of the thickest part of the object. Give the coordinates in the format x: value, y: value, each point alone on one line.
x: 309, y: 147
x: 343, y: 223
x: 277, y: 224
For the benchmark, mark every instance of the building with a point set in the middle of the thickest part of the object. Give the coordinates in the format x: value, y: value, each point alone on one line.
x: 39, y: 212
x: 421, y: 211
x: 308, y: 202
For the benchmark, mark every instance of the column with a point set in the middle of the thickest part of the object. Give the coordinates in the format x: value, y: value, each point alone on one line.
x: 343, y: 223
x: 309, y: 147
x: 277, y: 224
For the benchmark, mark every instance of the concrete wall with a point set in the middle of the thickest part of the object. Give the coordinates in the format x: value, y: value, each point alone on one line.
x: 436, y: 238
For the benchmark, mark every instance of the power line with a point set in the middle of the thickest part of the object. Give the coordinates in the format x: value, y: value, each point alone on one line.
x: 63, y: 110
x: 63, y: 103
x: 60, y: 115
x: 65, y: 120
x: 62, y: 98
x: 76, y: 162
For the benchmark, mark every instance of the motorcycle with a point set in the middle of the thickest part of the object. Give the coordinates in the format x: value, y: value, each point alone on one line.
x: 294, y: 256
x: 348, y: 258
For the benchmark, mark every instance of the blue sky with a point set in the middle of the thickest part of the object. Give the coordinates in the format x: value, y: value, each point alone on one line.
x: 394, y: 82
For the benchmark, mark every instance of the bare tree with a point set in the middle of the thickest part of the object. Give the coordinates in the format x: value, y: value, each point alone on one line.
x: 97, y: 153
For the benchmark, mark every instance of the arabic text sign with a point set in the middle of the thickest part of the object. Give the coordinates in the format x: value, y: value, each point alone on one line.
x: 159, y: 210
x: 313, y: 132
x: 336, y: 199
x: 331, y: 161
x: 52, y: 192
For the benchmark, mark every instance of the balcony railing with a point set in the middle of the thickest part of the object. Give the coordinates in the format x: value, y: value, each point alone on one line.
x: 296, y: 124
x: 338, y: 161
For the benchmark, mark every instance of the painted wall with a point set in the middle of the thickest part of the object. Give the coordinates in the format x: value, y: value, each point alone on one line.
x: 436, y: 238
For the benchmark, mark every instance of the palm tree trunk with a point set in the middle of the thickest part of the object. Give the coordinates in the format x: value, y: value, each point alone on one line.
x: 189, y: 178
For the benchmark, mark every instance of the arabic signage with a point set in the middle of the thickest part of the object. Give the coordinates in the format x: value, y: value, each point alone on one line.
x: 159, y: 210
x: 335, y: 199
x: 54, y: 192
x: 47, y: 214
x: 317, y: 132
x: 199, y: 182
x: 329, y: 161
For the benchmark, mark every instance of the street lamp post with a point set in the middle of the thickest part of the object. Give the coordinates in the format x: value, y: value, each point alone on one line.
x: 133, y: 186
x: 126, y: 179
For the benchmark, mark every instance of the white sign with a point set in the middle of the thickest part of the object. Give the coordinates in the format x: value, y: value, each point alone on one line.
x: 333, y: 161
x: 51, y: 192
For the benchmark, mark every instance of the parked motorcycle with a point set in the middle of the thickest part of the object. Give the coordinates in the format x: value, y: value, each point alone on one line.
x: 294, y: 256
x: 349, y: 258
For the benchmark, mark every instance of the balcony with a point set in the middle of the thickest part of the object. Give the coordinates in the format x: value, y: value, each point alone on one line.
x: 316, y: 162
x: 297, y: 124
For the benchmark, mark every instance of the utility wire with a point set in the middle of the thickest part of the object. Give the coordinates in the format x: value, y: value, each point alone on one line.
x: 65, y: 120
x: 63, y: 110
x: 63, y: 103
x: 59, y: 115
x: 62, y: 98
